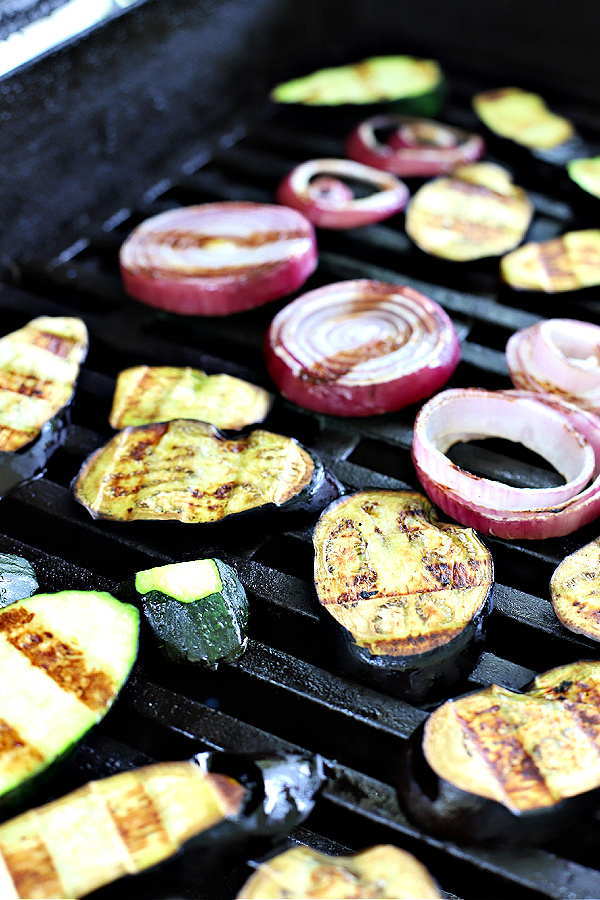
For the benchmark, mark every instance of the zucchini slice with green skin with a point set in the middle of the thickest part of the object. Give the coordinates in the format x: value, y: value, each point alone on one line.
x: 475, y: 213
x: 198, y: 610
x: 146, y: 394
x: 405, y: 84
x: 63, y: 659
x: 404, y: 597
x: 188, y: 471
x: 575, y: 591
x: 497, y: 765
x: 567, y: 263
x: 380, y: 871
x: 129, y: 822
x: 17, y: 579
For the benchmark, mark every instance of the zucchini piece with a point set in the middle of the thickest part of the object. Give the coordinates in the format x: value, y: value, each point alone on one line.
x: 586, y: 174
x: 145, y: 394
x: 17, y: 579
x: 405, y: 84
x: 198, y: 610
x: 522, y: 117
x: 475, y: 213
x: 508, y: 766
x: 404, y: 597
x: 129, y: 822
x: 575, y: 591
x: 63, y: 659
x: 190, y: 472
x: 567, y: 263
x: 380, y: 871
x: 39, y: 365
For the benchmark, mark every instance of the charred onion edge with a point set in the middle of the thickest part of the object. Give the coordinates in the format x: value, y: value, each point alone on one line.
x: 535, y: 524
x: 406, y: 153
x: 300, y: 191
x: 377, y: 383
x: 232, y: 288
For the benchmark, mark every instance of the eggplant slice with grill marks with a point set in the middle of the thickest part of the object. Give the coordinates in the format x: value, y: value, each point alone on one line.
x: 575, y: 591
x: 570, y: 263
x: 129, y: 822
x: 188, y: 471
x: 381, y: 871
x: 497, y: 765
x: 404, y: 597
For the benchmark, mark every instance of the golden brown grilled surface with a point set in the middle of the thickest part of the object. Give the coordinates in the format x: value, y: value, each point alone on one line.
x: 566, y: 263
x: 146, y: 394
x: 110, y: 828
x: 527, y: 751
x: 523, y: 117
x: 474, y: 213
x: 188, y: 471
x: 381, y: 871
x: 398, y: 579
x: 39, y: 365
x: 575, y: 590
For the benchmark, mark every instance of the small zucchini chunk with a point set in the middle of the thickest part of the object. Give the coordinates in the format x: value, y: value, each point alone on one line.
x: 567, y: 263
x: 17, y: 579
x: 129, y: 822
x: 404, y: 597
x: 303, y: 873
x: 497, y: 765
x: 198, y: 610
x: 575, y: 591
x: 405, y: 84
x: 63, y: 659
x: 145, y: 394
x: 476, y: 212
x: 188, y: 471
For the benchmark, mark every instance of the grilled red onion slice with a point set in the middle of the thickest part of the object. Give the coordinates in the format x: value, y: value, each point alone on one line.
x: 218, y: 258
x: 561, y: 356
x: 360, y: 348
x: 416, y: 147
x: 559, y: 431
x: 315, y: 188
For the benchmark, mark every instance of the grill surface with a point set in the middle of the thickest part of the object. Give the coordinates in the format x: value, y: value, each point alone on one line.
x: 283, y: 692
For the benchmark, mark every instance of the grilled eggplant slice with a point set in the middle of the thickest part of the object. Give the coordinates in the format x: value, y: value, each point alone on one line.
x: 126, y: 823
x: 145, y: 394
x: 567, y: 263
x: 381, y: 871
x: 198, y: 610
x: 501, y: 765
x: 17, y: 579
x: 190, y: 472
x: 475, y: 213
x: 39, y: 365
x: 575, y: 591
x: 63, y: 659
x: 405, y: 596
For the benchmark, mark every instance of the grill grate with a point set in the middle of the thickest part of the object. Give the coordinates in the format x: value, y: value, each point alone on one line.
x: 282, y: 693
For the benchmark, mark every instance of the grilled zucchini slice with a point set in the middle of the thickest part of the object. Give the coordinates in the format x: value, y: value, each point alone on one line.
x: 502, y: 765
x: 188, y: 471
x: 17, y: 579
x: 63, y: 659
x: 586, y: 174
x: 381, y: 871
x: 198, y: 610
x: 523, y: 117
x: 567, y: 263
x: 146, y: 394
x: 404, y: 596
x: 575, y: 591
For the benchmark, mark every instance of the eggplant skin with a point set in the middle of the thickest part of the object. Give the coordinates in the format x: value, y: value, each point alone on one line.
x: 303, y: 873
x: 188, y: 471
x: 496, y: 765
x: 575, y: 591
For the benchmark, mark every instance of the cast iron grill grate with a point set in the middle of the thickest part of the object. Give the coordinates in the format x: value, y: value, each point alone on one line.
x: 283, y: 692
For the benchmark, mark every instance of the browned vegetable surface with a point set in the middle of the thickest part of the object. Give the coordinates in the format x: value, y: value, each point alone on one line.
x: 575, y: 590
x: 188, y: 471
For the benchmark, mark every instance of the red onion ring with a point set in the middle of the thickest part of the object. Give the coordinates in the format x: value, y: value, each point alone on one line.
x: 360, y: 348
x: 337, y: 207
x: 416, y: 147
x: 561, y: 356
x: 439, y: 424
x: 218, y: 258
